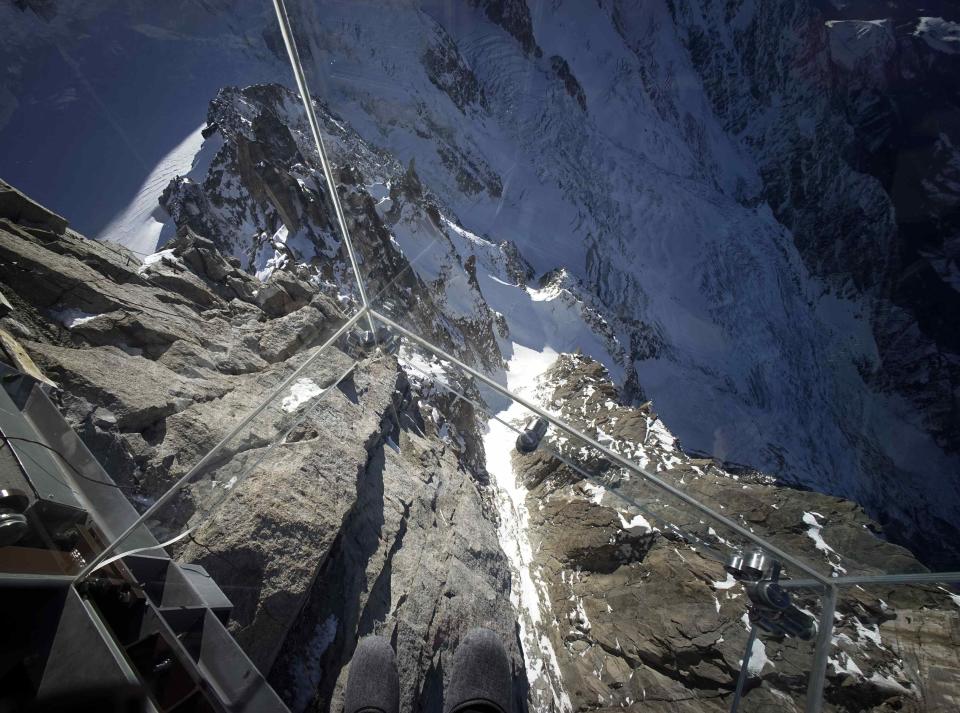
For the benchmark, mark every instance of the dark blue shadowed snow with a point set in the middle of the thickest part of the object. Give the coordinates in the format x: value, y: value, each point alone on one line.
x: 645, y: 200
x: 101, y: 104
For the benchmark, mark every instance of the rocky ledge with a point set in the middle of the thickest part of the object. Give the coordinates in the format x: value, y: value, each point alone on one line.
x: 646, y: 617
x: 341, y: 518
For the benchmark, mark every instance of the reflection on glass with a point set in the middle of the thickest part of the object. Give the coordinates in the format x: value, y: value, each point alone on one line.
x: 896, y: 643
x: 579, y: 323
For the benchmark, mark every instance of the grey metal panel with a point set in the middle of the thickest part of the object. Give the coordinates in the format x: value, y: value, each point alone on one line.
x: 15, y: 580
x: 178, y: 591
x: 95, y: 491
x: 83, y: 649
x: 82, y: 653
x: 234, y: 677
x: 211, y: 594
x: 47, y: 478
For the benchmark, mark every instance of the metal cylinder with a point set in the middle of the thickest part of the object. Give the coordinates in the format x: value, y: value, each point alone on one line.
x: 755, y: 564
x: 798, y: 624
x: 735, y: 564
x: 13, y: 523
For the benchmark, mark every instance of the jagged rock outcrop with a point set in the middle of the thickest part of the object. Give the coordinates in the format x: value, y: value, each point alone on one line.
x: 417, y: 560
x: 322, y: 520
x: 263, y: 200
x: 720, y: 196
x: 808, y: 145
x: 643, y: 615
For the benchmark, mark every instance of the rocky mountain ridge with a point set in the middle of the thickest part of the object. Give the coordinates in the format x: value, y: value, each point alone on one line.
x: 323, y: 502
x: 738, y: 251
x: 370, y: 508
x: 647, y: 617
x: 744, y: 122
x: 657, y: 153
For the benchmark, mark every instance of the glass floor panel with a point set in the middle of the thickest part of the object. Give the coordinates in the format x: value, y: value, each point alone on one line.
x: 344, y: 375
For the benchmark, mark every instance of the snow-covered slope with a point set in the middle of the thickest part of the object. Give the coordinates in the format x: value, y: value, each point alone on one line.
x: 664, y: 185
x: 98, y: 98
x: 143, y: 227
x: 644, y: 149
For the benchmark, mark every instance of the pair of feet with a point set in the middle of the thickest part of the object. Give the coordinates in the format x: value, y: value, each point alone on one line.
x: 480, y: 681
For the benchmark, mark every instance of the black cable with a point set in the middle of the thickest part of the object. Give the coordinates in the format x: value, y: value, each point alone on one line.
x: 62, y: 457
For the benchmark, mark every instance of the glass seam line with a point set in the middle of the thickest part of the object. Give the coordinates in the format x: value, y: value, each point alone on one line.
x: 307, y: 412
x: 285, y: 30
x: 821, y: 654
x: 842, y: 581
x: 855, y: 580
x: 176, y: 487
x: 708, y: 550
x: 317, y: 400
x: 663, y: 485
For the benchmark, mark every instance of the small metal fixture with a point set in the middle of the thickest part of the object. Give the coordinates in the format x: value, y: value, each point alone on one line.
x: 771, y: 607
x: 365, y: 340
x: 13, y: 522
x: 529, y: 440
x: 747, y: 567
x: 772, y: 610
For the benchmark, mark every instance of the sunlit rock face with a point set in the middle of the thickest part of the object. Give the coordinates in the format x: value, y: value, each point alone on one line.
x: 368, y: 511
x: 744, y: 212
x: 758, y: 199
x: 642, y: 614
x: 399, y: 509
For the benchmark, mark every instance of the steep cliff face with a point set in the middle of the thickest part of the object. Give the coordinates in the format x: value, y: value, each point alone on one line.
x: 745, y: 211
x: 895, y: 76
x: 328, y: 517
x: 645, y: 614
x: 388, y: 505
x: 758, y: 199
x: 701, y: 169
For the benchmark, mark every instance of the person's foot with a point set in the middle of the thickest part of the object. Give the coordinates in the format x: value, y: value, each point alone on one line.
x: 480, y: 679
x: 373, y: 685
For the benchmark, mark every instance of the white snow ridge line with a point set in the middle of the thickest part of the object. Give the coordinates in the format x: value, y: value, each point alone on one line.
x: 526, y: 596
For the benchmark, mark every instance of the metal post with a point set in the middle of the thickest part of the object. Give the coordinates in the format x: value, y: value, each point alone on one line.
x: 287, y: 32
x: 612, y: 455
x: 744, y: 664
x: 818, y: 670
x: 868, y: 579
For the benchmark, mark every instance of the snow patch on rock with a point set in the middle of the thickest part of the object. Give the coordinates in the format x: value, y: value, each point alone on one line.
x: 300, y: 393
x: 942, y: 35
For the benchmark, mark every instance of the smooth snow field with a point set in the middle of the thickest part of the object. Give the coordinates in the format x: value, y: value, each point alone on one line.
x: 143, y: 226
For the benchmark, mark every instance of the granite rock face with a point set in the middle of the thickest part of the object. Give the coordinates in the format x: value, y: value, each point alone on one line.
x: 643, y: 615
x: 339, y: 510
x: 417, y: 560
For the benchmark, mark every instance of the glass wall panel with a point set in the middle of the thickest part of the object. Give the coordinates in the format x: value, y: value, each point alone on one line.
x: 619, y: 329
x: 897, y: 645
